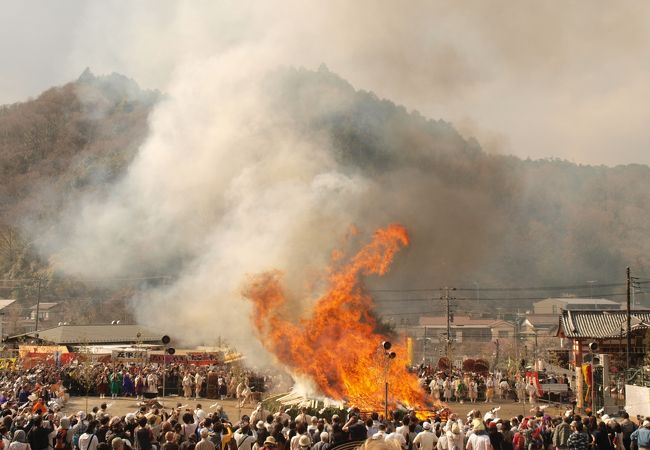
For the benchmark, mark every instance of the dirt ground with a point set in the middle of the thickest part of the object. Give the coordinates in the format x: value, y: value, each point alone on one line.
x: 122, y: 406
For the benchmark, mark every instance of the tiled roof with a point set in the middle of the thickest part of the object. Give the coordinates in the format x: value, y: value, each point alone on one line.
x: 600, y: 324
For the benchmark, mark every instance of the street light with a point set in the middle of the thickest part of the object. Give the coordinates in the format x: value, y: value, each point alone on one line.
x: 388, y: 356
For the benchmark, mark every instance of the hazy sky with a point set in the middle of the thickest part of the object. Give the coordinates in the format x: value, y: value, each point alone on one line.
x: 536, y: 79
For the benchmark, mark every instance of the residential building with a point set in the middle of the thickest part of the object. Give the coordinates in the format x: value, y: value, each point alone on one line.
x: 554, y: 306
x: 468, y: 328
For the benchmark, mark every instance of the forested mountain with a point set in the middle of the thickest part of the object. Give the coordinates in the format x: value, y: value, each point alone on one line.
x: 478, y: 219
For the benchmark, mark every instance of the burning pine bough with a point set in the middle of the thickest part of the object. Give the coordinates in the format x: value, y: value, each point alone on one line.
x: 337, y: 347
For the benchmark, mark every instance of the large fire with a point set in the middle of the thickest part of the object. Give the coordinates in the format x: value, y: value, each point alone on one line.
x: 337, y: 346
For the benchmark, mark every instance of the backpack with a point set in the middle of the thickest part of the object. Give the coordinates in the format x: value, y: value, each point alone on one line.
x: 61, y: 441
x: 520, y: 441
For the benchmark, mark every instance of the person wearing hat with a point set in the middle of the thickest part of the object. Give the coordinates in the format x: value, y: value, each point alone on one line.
x: 479, y: 439
x: 269, y: 443
x: 63, y: 439
x: 20, y: 441
x: 642, y: 436
x: 261, y: 432
x: 304, y: 443
x: 455, y: 436
x: 426, y: 439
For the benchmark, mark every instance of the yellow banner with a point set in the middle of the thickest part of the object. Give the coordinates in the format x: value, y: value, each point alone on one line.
x: 24, y: 350
x: 7, y: 363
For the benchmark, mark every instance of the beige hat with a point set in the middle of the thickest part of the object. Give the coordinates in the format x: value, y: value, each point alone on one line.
x: 270, y: 440
x: 304, y: 441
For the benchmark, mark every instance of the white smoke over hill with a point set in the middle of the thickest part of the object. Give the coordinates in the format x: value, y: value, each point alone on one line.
x: 240, y: 174
x: 243, y: 172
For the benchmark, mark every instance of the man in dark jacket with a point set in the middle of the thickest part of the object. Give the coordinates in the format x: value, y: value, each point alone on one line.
x: 38, y: 434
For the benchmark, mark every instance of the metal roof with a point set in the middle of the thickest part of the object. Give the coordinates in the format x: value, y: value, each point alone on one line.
x: 95, y: 334
x: 584, y: 301
x: 600, y: 324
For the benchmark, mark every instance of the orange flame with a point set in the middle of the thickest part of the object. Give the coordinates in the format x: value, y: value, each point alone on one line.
x: 337, y: 346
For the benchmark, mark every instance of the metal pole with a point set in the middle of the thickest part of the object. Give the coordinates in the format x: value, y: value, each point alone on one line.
x: 629, y: 323
x: 164, y: 373
x: 386, y: 400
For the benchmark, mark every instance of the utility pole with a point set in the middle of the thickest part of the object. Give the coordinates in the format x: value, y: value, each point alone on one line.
x: 424, y: 347
x: 516, y: 335
x: 38, y: 306
x: 450, y: 319
x: 628, y: 349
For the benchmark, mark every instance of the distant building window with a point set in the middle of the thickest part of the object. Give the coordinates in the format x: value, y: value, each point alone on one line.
x: 504, y: 333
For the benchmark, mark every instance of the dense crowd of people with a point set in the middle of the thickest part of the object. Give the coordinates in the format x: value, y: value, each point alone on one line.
x: 37, y: 426
x: 32, y: 419
x: 185, y: 380
x: 464, y: 386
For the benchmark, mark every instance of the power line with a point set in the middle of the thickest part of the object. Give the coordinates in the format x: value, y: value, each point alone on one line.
x: 30, y: 280
x: 505, y: 299
x: 504, y: 289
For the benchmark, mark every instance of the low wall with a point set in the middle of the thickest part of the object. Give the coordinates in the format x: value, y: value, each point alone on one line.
x: 637, y: 400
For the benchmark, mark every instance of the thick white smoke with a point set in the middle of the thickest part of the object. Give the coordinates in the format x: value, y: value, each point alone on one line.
x: 235, y: 178
x: 228, y: 184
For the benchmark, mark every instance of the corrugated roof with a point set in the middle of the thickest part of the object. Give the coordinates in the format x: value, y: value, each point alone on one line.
x: 600, y: 324
x: 96, y: 334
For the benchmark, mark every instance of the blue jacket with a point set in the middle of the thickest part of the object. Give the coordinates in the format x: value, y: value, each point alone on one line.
x: 642, y: 436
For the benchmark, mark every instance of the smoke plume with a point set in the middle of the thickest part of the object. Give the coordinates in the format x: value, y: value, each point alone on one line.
x: 254, y: 165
